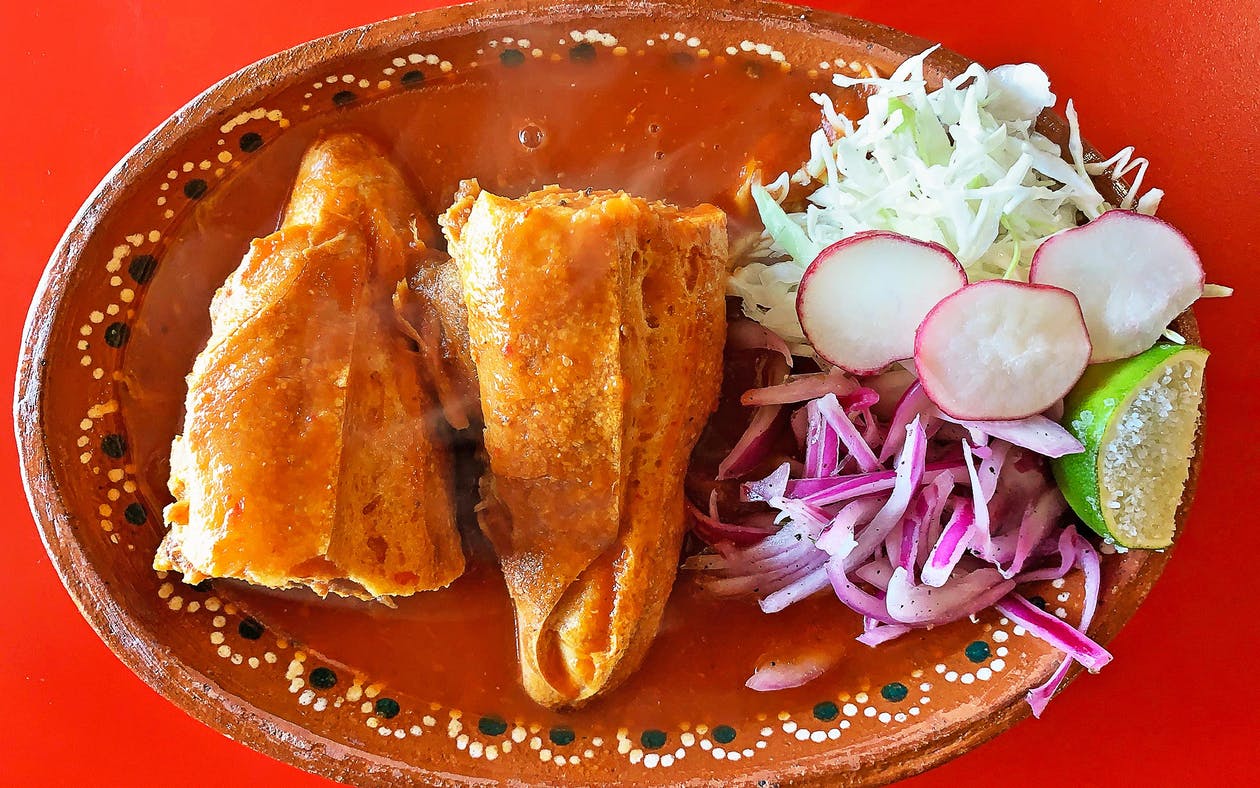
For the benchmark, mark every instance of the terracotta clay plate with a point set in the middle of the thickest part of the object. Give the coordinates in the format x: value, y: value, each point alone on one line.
x: 666, y: 99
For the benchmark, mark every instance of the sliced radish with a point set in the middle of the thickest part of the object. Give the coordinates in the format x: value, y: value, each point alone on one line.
x: 1001, y: 350
x: 1132, y: 274
x: 861, y: 299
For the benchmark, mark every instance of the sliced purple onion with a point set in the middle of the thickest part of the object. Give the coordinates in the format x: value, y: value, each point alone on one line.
x: 940, y: 489
x: 1066, y: 547
x: 981, y: 536
x: 859, y: 399
x: 891, y: 386
x: 834, y: 489
x: 1035, y: 433
x: 781, y: 675
x: 774, y: 557
x: 753, y: 446
x: 798, y: 533
x: 902, y: 543
x: 736, y: 578
x: 800, y: 426
x: 880, y: 538
x: 747, y: 584
x: 1035, y: 527
x: 882, y: 633
x: 926, y: 514
x: 1054, y: 631
x: 769, y: 488
x: 822, y: 443
x: 991, y: 465
x: 912, y: 405
x: 953, y: 542
x: 838, y: 539
x: 1020, y: 484
x: 711, y: 529
x: 910, y: 468
x: 808, y: 585
x: 744, y: 334
x: 870, y: 428
x: 875, y: 573
x: 908, y: 549
x: 815, y: 517
x: 852, y: 595
x: 966, y: 595
x: 826, y: 492
x: 809, y: 564
x: 799, y: 388
x: 1091, y: 567
x: 839, y: 421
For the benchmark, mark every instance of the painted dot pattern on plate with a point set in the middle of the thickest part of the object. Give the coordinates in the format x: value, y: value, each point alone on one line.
x: 317, y: 682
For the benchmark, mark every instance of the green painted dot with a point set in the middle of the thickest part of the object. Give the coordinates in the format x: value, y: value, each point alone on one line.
x: 387, y: 708
x: 894, y: 692
x: 343, y: 97
x: 116, y: 334
x: 195, y: 189
x: 653, y: 739
x: 250, y: 629
x: 826, y: 711
x: 977, y: 651
x: 412, y: 78
x: 135, y: 514
x: 492, y: 726
x: 561, y: 736
x: 323, y: 678
x: 1038, y: 601
x: 251, y: 141
x: 141, y: 268
x: 114, y: 445
x: 723, y: 734
x: 582, y: 53
x: 511, y: 57
x: 682, y: 59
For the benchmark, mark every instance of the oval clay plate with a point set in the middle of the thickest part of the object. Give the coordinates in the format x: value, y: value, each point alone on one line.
x: 667, y: 99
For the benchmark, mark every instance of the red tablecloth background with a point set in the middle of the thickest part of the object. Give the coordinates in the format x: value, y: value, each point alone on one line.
x: 84, y: 81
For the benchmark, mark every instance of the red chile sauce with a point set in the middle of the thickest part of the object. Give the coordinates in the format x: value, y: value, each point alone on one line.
x: 669, y: 127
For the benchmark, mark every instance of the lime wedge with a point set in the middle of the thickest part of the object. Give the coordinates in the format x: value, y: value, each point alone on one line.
x: 1137, y: 419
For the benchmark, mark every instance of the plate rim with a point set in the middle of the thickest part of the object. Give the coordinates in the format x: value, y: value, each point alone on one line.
x: 199, y: 696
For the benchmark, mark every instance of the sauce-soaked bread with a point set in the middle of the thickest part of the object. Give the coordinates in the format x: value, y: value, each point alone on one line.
x: 310, y: 453
x: 596, y: 324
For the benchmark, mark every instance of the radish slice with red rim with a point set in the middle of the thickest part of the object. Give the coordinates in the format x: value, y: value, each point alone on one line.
x: 862, y: 298
x: 1001, y: 350
x: 1132, y: 274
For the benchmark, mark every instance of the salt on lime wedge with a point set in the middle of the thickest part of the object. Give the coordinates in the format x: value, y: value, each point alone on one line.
x: 1137, y: 419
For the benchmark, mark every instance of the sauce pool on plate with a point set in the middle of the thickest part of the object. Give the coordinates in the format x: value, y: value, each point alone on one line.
x: 663, y: 126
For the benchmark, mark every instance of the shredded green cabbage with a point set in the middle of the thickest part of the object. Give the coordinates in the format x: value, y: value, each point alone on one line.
x: 960, y: 165
x: 790, y: 236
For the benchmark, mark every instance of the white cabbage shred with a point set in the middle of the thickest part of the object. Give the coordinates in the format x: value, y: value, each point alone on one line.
x: 960, y: 165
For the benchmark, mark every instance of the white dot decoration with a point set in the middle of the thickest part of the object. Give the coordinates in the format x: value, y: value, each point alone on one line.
x: 355, y: 694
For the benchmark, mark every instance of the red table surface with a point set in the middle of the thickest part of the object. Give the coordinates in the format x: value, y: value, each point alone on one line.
x: 85, y: 81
